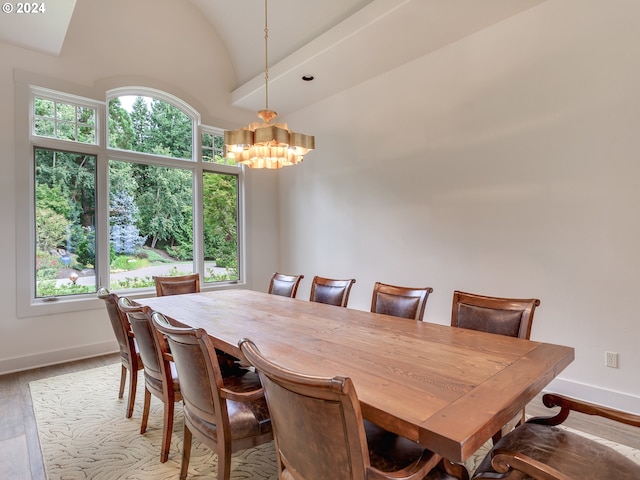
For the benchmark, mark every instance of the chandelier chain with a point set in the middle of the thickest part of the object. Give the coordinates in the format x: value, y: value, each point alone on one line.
x: 266, y: 57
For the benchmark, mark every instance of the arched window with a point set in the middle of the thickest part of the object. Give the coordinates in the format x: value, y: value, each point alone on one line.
x: 127, y: 189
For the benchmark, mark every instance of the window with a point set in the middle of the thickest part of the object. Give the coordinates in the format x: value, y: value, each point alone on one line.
x: 152, y: 195
x: 64, y: 120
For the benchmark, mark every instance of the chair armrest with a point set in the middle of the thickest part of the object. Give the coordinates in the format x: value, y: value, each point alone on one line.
x: 167, y: 356
x: 504, y: 461
x: 242, y: 396
x: 567, y: 405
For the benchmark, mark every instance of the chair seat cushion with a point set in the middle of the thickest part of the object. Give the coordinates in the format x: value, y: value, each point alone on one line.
x: 574, y: 455
x: 388, y: 451
x: 246, y: 419
x: 244, y: 380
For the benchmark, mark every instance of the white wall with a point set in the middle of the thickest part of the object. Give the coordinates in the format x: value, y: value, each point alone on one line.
x: 505, y: 164
x: 154, y: 43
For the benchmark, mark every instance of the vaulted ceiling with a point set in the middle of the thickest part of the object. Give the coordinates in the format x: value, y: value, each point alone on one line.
x: 339, y: 42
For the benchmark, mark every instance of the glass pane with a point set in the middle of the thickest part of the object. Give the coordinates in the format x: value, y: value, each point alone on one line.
x: 66, y: 112
x: 151, y: 223
x: 44, y: 108
x: 220, y: 202
x: 65, y: 228
x: 213, y: 149
x: 218, y: 148
x: 66, y: 131
x: 86, y: 134
x: 207, y: 147
x: 145, y: 124
x: 44, y: 128
x: 86, y: 116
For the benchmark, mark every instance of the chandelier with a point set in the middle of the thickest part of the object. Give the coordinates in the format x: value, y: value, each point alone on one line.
x: 263, y: 144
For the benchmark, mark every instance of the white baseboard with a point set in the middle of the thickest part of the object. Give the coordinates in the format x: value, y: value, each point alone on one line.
x: 597, y: 395
x: 27, y: 362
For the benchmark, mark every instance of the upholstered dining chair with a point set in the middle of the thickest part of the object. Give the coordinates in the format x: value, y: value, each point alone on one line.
x: 503, y: 316
x: 319, y: 431
x: 227, y: 414
x: 129, y: 355
x: 177, y: 285
x: 160, y: 375
x: 542, y: 450
x: 331, y: 292
x: 181, y: 284
x: 404, y: 302
x: 284, y: 285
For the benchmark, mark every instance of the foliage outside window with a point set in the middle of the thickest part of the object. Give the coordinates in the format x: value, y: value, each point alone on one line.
x: 213, y: 149
x: 64, y: 121
x: 152, y: 208
x: 64, y: 217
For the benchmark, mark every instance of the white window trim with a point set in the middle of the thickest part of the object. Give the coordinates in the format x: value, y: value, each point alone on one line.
x: 27, y: 304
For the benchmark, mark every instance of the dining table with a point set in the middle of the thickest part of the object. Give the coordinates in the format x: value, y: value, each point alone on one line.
x: 448, y: 388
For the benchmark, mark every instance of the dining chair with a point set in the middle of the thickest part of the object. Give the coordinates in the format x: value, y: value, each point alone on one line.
x: 177, y: 285
x: 404, y: 302
x: 181, y: 284
x: 227, y: 414
x: 331, y: 292
x: 319, y: 431
x: 503, y: 316
x: 129, y: 355
x: 284, y: 285
x: 160, y: 375
x: 541, y: 449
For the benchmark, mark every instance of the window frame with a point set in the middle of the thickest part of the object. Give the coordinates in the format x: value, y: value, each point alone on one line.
x: 26, y: 142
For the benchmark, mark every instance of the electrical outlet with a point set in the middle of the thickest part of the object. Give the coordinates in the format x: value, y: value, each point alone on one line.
x: 611, y: 359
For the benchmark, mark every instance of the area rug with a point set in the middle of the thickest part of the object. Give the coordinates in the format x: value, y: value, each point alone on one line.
x: 84, y: 434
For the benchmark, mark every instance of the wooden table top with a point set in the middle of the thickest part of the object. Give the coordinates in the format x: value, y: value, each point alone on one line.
x: 448, y: 388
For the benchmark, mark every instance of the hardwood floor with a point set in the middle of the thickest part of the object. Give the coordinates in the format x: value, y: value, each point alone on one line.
x: 20, y: 457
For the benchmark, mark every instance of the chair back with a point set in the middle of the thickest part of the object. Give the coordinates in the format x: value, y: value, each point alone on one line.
x: 177, y: 285
x: 404, y: 302
x: 150, y: 345
x: 119, y: 323
x: 200, y: 378
x: 331, y: 292
x: 317, y: 423
x: 284, y: 285
x: 504, y: 316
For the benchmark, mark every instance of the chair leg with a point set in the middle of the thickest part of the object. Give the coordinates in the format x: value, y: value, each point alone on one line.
x: 145, y: 410
x: 224, y: 461
x: 123, y: 379
x: 167, y: 427
x: 133, y: 386
x: 186, y: 453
